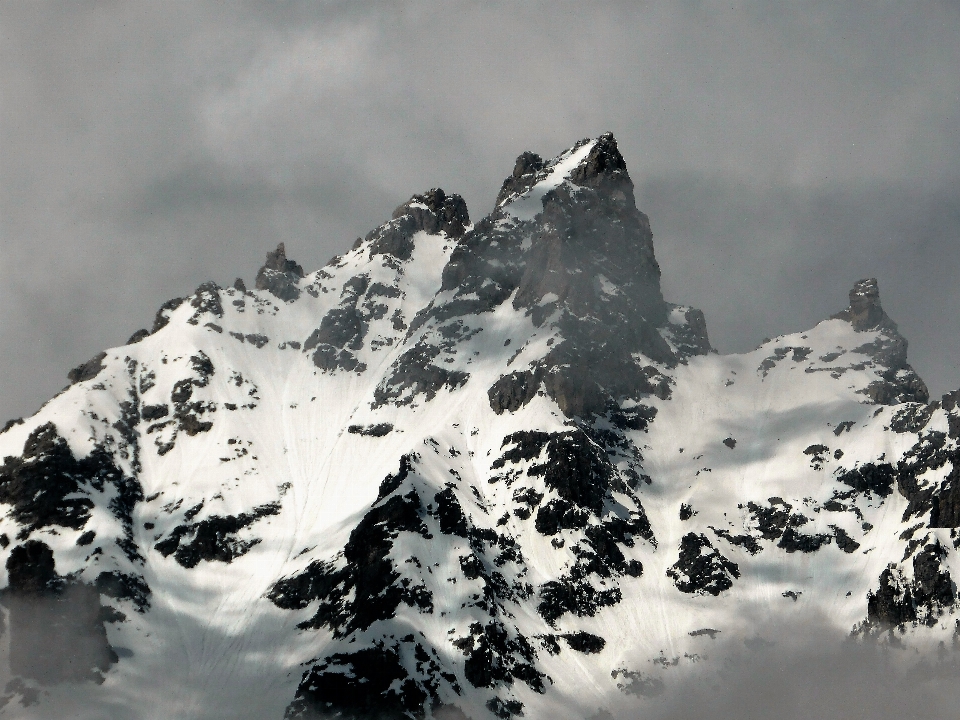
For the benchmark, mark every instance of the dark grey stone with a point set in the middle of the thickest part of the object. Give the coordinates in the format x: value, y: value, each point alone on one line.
x: 278, y: 276
x: 88, y: 370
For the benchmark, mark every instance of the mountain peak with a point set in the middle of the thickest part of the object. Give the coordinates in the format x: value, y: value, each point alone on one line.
x: 434, y: 211
x: 865, y: 312
x: 277, y: 260
x: 899, y: 382
x: 604, y: 168
x: 442, y: 481
x: 279, y: 275
x: 590, y: 163
x: 523, y: 177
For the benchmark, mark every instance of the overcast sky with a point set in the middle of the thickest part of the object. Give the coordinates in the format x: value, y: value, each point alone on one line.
x: 781, y: 154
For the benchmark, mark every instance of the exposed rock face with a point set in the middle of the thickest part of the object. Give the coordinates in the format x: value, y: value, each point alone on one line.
x: 47, y: 486
x: 434, y: 211
x: 604, y: 169
x: 701, y: 568
x: 523, y: 177
x: 213, y: 539
x: 88, y: 370
x: 280, y: 276
x: 464, y: 471
x: 606, y: 315
x: 511, y: 392
x: 865, y: 312
x: 342, y: 330
x: 899, y: 600
x: 162, y: 318
x: 601, y: 229
x: 900, y: 383
x: 589, y: 274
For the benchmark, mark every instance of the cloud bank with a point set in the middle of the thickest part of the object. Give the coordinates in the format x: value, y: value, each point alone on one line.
x: 780, y: 153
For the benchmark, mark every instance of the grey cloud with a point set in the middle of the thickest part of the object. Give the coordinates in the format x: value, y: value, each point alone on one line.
x: 822, y: 677
x: 778, y: 260
x: 781, y: 153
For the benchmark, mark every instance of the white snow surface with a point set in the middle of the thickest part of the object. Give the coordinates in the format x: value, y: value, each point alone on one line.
x: 529, y: 204
x: 212, y: 645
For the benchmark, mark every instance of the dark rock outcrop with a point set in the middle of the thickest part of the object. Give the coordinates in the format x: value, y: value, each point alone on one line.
x: 524, y: 176
x: 415, y: 373
x: 865, y: 312
x: 280, y: 276
x: 214, y: 538
x: 898, y: 600
x: 898, y: 381
x: 432, y: 212
x: 206, y: 300
x: 88, y: 370
x: 375, y: 430
x: 933, y: 587
x: 876, y: 479
x: 939, y: 498
x: 605, y: 169
x: 342, y: 330
x: 945, y: 506
x: 366, y: 587
x: 163, y: 314
x: 892, y: 603
x: 47, y: 486
x: 511, y: 392
x: 701, y: 568
x: 367, y: 684
x: 138, y: 336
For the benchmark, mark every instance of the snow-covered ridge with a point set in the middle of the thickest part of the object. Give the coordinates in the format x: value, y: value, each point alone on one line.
x: 468, y: 468
x: 529, y: 204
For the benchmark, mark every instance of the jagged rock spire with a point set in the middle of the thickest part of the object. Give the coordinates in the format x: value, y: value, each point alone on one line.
x: 277, y: 260
x: 900, y: 383
x: 865, y: 312
x: 602, y: 169
x: 605, y: 170
x: 279, y: 275
x: 567, y: 241
x: 433, y: 211
x: 524, y: 175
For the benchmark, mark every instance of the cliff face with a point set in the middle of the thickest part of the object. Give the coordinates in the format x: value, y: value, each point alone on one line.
x: 466, y: 469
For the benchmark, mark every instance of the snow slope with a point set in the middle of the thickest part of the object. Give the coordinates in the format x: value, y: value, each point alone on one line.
x: 477, y: 469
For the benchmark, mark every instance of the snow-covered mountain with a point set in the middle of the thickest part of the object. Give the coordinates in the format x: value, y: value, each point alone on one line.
x: 474, y: 470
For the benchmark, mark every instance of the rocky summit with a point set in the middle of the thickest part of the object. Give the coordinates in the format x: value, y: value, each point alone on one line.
x: 469, y: 469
